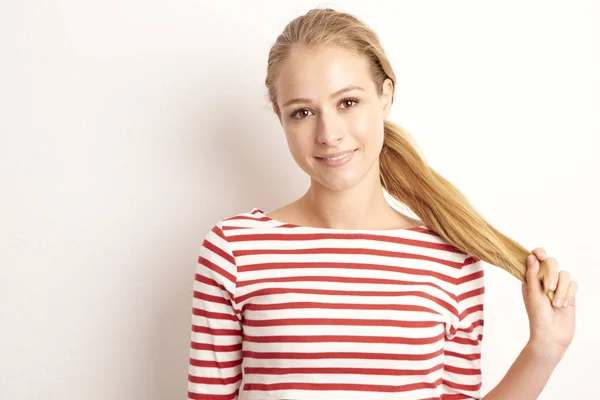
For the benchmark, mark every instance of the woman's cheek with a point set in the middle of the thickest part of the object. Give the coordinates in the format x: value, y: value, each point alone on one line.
x: 360, y: 124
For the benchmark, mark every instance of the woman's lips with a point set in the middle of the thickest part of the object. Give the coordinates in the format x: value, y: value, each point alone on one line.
x: 340, y: 161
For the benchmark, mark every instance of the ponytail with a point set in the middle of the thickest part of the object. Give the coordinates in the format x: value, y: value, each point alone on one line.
x: 443, y: 208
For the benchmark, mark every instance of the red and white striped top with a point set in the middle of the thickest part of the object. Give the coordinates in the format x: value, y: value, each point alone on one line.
x: 282, y: 311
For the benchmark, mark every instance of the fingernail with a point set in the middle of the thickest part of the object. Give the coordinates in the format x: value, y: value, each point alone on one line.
x: 543, y: 254
x: 552, y: 285
x: 557, y: 302
x: 566, y: 303
x: 530, y: 259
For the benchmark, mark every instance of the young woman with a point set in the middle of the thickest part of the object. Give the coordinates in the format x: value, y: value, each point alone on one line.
x: 339, y: 296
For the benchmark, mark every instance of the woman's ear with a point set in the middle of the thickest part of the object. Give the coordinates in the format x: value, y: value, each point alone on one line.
x: 387, y: 97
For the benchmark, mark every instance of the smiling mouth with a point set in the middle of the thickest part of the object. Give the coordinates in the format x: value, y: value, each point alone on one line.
x: 338, y: 157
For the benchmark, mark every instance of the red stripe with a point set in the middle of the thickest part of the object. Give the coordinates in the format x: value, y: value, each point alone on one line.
x: 471, y: 327
x: 342, y: 355
x: 470, y: 260
x: 344, y: 339
x: 472, y: 277
x: 207, y: 244
x: 470, y: 357
x: 240, y: 227
x: 458, y: 396
x: 201, y: 396
x: 214, y: 315
x: 299, y: 237
x: 220, y: 332
x: 217, y: 230
x: 270, y: 292
x: 215, y: 381
x: 214, y: 267
x: 208, y: 281
x: 215, y: 364
x: 348, y: 251
x: 460, y: 340
x: 343, y: 265
x: 216, y: 348
x: 462, y: 371
x: 340, y: 279
x: 210, y: 298
x: 338, y: 306
x: 461, y: 386
x: 472, y: 293
x: 340, y: 321
x: 471, y: 310
x: 341, y: 386
x: 338, y: 370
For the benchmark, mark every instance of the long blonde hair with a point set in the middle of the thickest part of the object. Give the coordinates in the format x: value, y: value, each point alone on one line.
x: 403, y: 172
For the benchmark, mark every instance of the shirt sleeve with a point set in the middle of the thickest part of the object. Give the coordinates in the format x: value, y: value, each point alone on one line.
x: 215, y: 364
x: 462, y: 344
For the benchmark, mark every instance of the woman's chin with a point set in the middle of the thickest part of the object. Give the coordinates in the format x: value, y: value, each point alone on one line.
x: 339, y: 182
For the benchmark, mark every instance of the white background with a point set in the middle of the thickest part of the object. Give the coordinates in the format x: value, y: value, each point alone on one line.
x: 128, y: 128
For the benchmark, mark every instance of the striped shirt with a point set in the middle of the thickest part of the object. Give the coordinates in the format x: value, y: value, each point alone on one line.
x: 282, y: 311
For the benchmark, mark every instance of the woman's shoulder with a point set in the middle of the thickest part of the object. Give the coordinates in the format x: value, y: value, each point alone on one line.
x: 251, y: 217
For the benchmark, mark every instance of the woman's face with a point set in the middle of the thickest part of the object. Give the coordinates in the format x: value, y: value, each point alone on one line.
x: 329, y: 104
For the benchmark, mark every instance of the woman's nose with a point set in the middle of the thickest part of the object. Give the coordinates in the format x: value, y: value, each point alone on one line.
x: 329, y: 130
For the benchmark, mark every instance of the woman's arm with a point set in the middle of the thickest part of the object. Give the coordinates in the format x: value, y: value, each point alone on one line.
x: 528, y: 375
x: 215, y: 362
x: 551, y: 330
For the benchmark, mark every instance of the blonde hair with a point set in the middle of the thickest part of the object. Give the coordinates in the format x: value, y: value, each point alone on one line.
x: 403, y: 172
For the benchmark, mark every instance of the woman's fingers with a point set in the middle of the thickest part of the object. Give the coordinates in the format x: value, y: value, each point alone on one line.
x: 571, y: 292
x: 551, y: 275
x: 531, y: 275
x: 557, y: 284
x: 548, y: 272
x: 560, y: 295
x: 540, y: 253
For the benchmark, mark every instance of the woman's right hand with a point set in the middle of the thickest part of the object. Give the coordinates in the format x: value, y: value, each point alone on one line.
x: 551, y: 323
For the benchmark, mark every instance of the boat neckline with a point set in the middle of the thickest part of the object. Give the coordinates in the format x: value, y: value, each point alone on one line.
x: 265, y: 216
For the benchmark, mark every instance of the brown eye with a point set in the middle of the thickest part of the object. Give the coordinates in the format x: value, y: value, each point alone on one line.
x: 301, y: 112
x: 349, y: 101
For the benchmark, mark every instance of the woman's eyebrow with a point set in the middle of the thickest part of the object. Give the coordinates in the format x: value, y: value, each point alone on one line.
x: 332, y: 96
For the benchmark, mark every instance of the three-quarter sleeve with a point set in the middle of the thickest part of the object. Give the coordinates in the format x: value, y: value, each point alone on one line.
x: 462, y: 377
x: 215, y: 364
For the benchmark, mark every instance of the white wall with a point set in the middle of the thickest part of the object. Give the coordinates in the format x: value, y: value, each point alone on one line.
x: 129, y: 127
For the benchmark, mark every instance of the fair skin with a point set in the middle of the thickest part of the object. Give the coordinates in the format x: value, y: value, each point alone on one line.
x: 551, y: 330
x: 350, y: 196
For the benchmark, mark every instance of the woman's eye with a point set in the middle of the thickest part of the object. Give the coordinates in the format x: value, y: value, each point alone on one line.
x: 346, y: 101
x: 303, y: 111
x: 300, y: 111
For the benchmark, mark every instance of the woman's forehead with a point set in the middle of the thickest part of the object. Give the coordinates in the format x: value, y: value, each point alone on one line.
x: 321, y: 72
